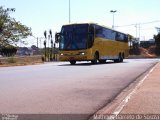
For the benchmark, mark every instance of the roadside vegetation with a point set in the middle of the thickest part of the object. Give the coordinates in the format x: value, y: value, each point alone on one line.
x: 11, y: 30
x: 20, y: 61
x: 11, y: 33
x: 145, y: 50
x: 157, y: 42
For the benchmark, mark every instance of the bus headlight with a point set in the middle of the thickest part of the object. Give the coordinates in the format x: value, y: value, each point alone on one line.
x: 82, y: 53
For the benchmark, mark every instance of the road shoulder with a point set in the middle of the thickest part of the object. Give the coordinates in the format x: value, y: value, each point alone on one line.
x: 140, y: 97
x: 146, y: 100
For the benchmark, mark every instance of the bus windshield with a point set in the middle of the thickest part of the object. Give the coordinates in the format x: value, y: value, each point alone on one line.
x: 74, y: 37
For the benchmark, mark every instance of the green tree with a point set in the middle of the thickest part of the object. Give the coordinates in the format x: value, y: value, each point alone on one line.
x: 157, y: 41
x: 11, y: 31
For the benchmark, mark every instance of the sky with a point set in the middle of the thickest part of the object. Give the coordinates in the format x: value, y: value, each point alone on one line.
x: 136, y: 17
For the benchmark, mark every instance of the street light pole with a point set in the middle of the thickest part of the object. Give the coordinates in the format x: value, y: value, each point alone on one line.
x: 69, y: 12
x: 113, y: 11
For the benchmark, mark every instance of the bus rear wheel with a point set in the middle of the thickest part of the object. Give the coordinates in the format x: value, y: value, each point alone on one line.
x: 102, y: 61
x: 73, y: 62
x: 120, y: 59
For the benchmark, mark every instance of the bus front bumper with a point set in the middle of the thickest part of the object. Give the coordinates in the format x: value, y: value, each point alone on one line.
x: 77, y: 56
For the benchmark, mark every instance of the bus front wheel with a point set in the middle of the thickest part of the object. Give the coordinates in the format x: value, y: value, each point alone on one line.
x: 73, y: 62
x: 96, y: 58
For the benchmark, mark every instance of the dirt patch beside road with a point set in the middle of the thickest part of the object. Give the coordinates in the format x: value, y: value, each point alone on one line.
x: 20, y: 61
x: 144, y: 53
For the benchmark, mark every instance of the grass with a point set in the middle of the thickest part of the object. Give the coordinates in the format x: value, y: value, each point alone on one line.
x: 11, y: 60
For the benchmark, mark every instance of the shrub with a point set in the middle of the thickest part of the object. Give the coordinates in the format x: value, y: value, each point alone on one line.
x: 43, y: 58
x: 11, y: 60
x: 8, y: 51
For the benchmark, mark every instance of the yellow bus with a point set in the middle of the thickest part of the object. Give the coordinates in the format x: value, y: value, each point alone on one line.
x: 91, y: 42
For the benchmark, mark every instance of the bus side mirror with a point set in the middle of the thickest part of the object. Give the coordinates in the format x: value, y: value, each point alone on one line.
x: 57, y: 37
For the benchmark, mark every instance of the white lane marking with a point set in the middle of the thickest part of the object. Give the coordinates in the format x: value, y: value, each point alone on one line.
x: 125, y: 101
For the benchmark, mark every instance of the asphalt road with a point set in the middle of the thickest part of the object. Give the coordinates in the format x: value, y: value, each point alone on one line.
x: 61, y: 88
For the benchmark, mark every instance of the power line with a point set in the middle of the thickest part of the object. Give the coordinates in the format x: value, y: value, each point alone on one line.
x: 148, y: 28
x: 156, y: 21
x: 125, y: 25
x: 151, y: 22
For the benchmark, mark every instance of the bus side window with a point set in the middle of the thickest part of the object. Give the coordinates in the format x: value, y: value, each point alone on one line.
x: 126, y: 38
x: 117, y: 36
x: 91, y: 29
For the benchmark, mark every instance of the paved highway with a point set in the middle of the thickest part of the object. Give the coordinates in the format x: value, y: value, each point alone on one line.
x: 61, y: 88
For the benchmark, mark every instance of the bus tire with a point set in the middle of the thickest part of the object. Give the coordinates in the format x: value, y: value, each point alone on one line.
x: 96, y: 58
x: 102, y: 61
x: 120, y: 59
x: 116, y: 60
x: 73, y: 62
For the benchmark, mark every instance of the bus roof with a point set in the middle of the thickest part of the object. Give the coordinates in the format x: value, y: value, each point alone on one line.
x: 97, y: 25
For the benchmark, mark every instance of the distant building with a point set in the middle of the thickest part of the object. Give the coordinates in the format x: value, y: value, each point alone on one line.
x: 35, y: 50
x: 24, y: 51
x: 147, y: 44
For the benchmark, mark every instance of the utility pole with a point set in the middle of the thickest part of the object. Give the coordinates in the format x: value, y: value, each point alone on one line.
x: 40, y: 42
x: 37, y: 42
x: 136, y: 30
x: 139, y: 31
x: 138, y: 26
